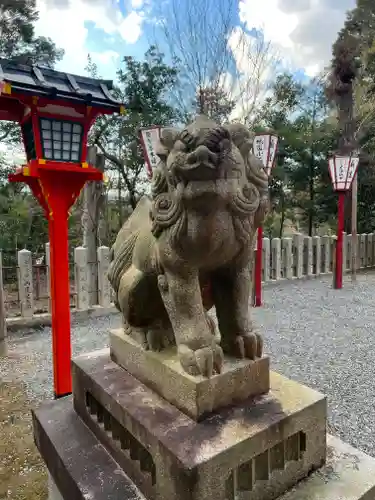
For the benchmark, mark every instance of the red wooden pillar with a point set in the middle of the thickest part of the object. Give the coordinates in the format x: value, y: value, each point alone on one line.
x: 57, y: 188
x: 339, y: 243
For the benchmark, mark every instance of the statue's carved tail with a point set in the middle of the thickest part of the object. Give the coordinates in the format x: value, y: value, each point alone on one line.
x: 121, y: 260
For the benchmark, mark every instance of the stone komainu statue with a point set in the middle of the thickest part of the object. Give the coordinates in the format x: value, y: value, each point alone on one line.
x: 209, y: 195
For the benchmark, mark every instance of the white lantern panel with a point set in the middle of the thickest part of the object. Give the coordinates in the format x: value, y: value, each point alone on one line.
x: 48, y: 144
x: 76, y: 138
x: 67, y: 127
x: 261, y: 148
x: 46, y: 134
x: 353, y: 165
x: 75, y: 147
x: 48, y: 153
x: 77, y: 129
x: 150, y: 138
x: 56, y: 125
x: 57, y: 154
x: 66, y: 155
x: 342, y: 170
x: 57, y: 145
x: 74, y: 156
x: 66, y: 146
x: 272, y: 153
x: 56, y: 136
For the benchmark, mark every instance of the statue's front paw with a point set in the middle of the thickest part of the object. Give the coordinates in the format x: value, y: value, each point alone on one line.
x: 204, y: 361
x: 248, y: 345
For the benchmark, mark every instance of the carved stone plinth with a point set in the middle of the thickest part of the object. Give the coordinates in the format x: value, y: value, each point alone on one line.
x: 137, y: 446
x: 257, y: 448
x: 195, y: 396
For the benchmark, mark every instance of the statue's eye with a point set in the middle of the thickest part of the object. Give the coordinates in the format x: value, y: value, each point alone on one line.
x: 187, y: 139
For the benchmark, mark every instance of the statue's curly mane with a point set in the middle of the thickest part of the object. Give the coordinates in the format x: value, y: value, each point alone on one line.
x: 167, y: 207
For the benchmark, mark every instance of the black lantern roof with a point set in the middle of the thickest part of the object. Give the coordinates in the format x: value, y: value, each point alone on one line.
x: 48, y: 83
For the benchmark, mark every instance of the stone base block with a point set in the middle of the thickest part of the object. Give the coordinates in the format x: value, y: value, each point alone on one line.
x: 254, y: 451
x: 195, y: 396
x: 348, y: 474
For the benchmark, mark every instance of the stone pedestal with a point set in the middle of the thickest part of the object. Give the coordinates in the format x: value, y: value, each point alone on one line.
x: 195, y: 396
x: 117, y: 438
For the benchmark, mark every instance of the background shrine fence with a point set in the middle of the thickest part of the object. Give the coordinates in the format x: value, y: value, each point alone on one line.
x: 26, y: 286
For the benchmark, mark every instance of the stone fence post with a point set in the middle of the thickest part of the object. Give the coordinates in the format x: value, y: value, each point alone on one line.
x: 362, y: 250
x: 317, y: 253
x: 25, y: 283
x: 104, y: 285
x: 309, y: 255
x: 81, y: 277
x: 3, y: 324
x: 369, y: 253
x: 298, y: 254
x: 344, y: 251
x: 266, y: 259
x: 348, y: 252
x: 276, y: 258
x: 287, y: 258
x: 326, y: 249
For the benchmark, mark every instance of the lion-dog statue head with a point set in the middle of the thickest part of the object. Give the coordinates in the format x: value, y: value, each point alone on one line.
x: 204, y: 165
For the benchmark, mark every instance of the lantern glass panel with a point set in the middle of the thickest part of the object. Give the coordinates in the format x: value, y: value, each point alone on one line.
x: 66, y: 143
x: 46, y: 125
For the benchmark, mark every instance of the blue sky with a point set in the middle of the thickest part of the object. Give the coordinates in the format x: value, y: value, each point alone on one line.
x: 300, y: 31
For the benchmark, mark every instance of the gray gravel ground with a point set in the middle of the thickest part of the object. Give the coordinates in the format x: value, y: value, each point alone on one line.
x: 314, y: 334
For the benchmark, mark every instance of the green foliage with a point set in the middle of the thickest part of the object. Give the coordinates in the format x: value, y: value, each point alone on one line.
x: 300, y: 187
x: 144, y: 87
x: 352, y: 86
x: 21, y: 219
x: 18, y: 40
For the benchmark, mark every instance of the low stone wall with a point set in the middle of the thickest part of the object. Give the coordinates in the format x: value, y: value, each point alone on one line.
x: 27, y: 303
x: 298, y: 257
x: 303, y: 256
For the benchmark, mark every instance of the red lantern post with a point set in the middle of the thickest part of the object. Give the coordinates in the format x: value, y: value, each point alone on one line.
x: 55, y: 111
x: 264, y: 148
x: 342, y: 170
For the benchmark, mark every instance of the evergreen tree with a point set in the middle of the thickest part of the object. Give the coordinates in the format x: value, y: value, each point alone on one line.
x: 144, y: 86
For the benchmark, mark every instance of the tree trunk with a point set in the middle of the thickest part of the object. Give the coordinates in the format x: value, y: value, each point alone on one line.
x: 93, y: 198
x: 282, y: 219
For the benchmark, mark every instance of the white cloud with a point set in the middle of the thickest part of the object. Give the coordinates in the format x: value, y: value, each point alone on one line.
x: 137, y: 4
x: 131, y: 27
x: 65, y: 22
x: 302, y: 30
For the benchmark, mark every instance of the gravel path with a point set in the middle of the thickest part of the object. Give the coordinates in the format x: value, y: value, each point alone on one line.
x: 314, y: 334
